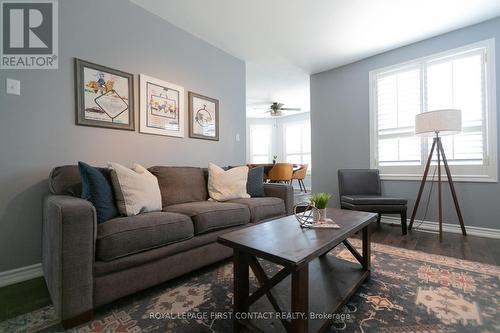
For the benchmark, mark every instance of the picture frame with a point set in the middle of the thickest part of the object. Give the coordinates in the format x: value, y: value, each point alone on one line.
x: 203, y: 117
x: 161, y: 109
x: 104, y: 96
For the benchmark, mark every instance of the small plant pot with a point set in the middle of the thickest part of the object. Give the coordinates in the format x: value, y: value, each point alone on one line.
x: 320, y: 215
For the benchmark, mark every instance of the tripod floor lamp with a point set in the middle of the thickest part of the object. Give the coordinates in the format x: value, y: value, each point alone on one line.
x: 438, y: 123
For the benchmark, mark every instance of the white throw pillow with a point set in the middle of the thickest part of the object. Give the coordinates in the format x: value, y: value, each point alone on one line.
x: 136, y: 189
x: 227, y: 185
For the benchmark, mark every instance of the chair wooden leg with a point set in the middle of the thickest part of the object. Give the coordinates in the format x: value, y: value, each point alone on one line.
x: 301, y: 181
x: 403, y: 222
x: 379, y: 216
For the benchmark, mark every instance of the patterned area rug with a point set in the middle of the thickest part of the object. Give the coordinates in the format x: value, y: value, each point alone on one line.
x: 409, y: 291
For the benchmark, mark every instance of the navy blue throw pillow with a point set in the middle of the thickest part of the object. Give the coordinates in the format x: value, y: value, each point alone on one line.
x: 255, y: 182
x: 97, y: 188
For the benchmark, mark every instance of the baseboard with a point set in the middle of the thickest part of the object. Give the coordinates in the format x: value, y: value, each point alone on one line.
x: 20, y: 274
x: 454, y: 228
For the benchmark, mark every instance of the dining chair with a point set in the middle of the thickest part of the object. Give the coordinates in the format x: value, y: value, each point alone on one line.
x: 300, y: 174
x: 280, y: 173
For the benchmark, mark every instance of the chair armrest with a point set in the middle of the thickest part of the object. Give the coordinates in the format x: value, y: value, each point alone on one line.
x: 283, y: 191
x: 68, y: 243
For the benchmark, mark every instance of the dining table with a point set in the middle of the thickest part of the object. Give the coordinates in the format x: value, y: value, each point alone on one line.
x: 269, y: 166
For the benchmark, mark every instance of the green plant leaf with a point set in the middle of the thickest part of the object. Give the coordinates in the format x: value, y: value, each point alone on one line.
x: 320, y: 200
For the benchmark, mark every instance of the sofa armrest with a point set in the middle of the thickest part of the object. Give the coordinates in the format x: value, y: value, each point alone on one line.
x: 283, y: 191
x: 68, y: 243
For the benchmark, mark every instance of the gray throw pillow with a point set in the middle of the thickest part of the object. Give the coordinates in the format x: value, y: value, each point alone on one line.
x: 255, y: 181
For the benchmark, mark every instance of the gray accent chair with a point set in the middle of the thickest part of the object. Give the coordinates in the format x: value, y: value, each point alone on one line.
x: 360, y: 189
x: 86, y: 264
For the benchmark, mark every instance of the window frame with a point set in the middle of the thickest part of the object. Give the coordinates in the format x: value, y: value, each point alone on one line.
x: 251, y: 149
x: 488, y: 171
x: 302, y: 152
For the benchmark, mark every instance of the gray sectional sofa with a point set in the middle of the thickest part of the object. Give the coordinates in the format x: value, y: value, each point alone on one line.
x: 87, y: 264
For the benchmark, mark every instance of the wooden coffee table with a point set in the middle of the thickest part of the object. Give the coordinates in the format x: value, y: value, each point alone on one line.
x: 318, y: 284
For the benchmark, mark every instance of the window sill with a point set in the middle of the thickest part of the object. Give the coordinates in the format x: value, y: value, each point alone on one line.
x: 456, y: 178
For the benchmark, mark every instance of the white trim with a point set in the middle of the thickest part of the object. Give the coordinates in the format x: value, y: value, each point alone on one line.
x: 20, y: 274
x: 491, y: 118
x: 488, y: 43
x: 419, y: 225
x: 456, y: 178
x: 488, y: 172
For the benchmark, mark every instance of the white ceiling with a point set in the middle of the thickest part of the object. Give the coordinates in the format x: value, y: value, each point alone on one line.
x: 267, y: 83
x: 280, y: 39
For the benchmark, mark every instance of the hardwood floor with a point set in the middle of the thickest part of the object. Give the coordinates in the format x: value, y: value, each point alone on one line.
x: 23, y: 297
x: 485, y: 250
x: 30, y: 295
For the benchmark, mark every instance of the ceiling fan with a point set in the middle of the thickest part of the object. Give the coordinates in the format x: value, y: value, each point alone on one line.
x: 275, y: 110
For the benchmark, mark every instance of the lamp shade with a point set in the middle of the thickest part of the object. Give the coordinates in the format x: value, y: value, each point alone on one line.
x: 444, y: 122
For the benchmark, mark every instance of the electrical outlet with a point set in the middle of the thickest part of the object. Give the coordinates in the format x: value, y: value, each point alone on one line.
x: 13, y: 86
x: 237, y: 137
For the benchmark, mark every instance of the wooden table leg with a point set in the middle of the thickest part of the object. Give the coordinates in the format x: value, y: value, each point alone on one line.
x: 300, y: 299
x: 240, y: 268
x: 366, y: 249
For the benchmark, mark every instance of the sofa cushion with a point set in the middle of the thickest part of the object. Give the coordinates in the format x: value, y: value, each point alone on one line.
x: 212, y: 215
x: 263, y: 208
x: 65, y: 180
x: 97, y: 188
x: 126, y: 235
x: 180, y: 184
x: 138, y: 259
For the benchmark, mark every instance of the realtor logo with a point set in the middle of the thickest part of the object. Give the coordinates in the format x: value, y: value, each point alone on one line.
x: 29, y: 34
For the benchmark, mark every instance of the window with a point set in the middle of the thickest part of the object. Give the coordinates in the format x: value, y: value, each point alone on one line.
x: 463, y: 79
x: 260, y: 143
x: 297, y: 137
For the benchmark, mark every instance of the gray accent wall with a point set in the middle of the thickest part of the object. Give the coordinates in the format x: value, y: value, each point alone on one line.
x: 340, y: 128
x: 38, y: 131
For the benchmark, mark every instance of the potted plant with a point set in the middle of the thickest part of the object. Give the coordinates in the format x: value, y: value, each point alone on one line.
x: 320, y: 201
x: 275, y: 157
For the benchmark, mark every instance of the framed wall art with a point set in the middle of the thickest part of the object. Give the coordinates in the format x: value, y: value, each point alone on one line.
x: 105, y: 96
x: 203, y: 117
x: 162, y: 107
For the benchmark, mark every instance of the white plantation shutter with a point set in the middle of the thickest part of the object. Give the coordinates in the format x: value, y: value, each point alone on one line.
x: 458, y: 82
x: 459, y: 79
x: 398, y: 101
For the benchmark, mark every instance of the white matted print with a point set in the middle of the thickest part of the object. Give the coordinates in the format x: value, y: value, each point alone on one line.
x: 203, y: 117
x: 104, y: 96
x: 162, y: 107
